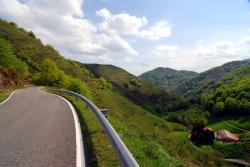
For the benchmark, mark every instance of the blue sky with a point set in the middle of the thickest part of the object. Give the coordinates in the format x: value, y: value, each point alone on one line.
x: 192, y: 20
x: 140, y: 35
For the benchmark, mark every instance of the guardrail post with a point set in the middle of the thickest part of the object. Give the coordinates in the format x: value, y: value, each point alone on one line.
x: 125, y: 157
x: 105, y: 112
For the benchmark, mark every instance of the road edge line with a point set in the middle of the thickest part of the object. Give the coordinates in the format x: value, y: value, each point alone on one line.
x: 8, y: 98
x: 80, y: 158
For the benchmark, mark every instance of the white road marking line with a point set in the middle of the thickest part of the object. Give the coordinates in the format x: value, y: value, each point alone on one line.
x: 80, y: 158
x: 9, y: 97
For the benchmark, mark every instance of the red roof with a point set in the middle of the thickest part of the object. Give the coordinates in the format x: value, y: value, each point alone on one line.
x: 224, y: 135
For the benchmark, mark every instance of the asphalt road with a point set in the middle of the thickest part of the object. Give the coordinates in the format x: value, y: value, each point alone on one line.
x: 36, y: 130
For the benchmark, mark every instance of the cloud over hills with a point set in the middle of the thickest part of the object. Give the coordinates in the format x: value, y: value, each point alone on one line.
x: 117, y: 38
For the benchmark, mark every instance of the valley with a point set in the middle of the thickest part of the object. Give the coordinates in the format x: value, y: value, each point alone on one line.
x: 153, y: 113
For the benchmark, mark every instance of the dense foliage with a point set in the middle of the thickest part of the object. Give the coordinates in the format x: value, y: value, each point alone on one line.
x: 22, y: 51
x: 232, y: 98
x: 9, y: 60
x: 224, y: 90
x: 167, y: 78
x: 51, y: 75
x: 142, y: 92
x: 27, y: 47
x: 209, y: 81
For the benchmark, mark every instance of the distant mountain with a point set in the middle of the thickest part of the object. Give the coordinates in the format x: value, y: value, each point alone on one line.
x: 142, y: 92
x: 208, y: 81
x: 109, y: 72
x: 167, y: 78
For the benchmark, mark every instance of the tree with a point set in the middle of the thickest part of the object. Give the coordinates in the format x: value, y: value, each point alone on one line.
x: 244, y: 107
x: 230, y: 104
x: 218, y: 107
x: 49, y: 73
x: 9, y: 60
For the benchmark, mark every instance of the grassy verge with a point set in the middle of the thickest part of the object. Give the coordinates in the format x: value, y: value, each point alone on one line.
x: 152, y: 140
x: 5, y: 92
x: 98, y: 151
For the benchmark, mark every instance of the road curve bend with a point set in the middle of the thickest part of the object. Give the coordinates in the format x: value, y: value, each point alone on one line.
x: 37, y: 129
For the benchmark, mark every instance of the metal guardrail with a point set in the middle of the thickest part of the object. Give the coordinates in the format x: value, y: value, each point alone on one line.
x: 125, y: 157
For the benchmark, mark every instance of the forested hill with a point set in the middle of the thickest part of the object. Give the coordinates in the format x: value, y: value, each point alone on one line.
x: 27, y: 47
x: 167, y: 78
x: 46, y: 66
x: 232, y: 93
x: 144, y: 93
x: 109, y: 72
x: 209, y: 80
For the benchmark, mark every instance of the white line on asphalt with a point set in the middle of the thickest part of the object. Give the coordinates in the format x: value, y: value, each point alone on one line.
x: 8, y: 97
x: 80, y: 158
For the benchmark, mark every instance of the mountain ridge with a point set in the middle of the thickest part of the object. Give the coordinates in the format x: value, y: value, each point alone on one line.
x: 166, y: 77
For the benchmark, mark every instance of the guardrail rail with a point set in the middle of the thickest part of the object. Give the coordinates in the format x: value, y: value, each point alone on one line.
x: 126, y: 159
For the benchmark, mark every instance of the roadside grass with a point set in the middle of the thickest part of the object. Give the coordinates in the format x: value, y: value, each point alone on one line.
x: 152, y: 140
x: 98, y: 151
x: 136, y: 127
x: 5, y: 92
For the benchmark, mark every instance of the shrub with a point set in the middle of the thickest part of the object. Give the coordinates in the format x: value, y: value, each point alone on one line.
x: 9, y: 60
x: 218, y: 107
x: 79, y: 86
x: 51, y: 75
x: 104, y: 84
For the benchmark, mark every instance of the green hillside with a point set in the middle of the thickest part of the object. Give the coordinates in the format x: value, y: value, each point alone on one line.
x: 230, y: 98
x: 167, y: 78
x: 153, y: 140
x: 109, y: 72
x: 48, y: 67
x: 142, y: 92
x: 209, y: 80
x: 27, y: 47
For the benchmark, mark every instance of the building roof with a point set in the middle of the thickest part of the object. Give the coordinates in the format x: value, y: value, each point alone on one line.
x: 225, y: 135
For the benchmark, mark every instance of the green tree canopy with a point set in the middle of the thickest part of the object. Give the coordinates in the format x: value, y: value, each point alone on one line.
x: 51, y: 75
x: 9, y: 60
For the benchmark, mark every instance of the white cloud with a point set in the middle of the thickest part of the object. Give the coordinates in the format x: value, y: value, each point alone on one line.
x: 63, y: 25
x: 164, y: 50
x: 202, y: 56
x: 125, y: 24
x: 59, y: 23
x: 116, y: 44
x: 128, y: 60
x: 160, y: 30
x: 245, y: 40
x: 104, y: 59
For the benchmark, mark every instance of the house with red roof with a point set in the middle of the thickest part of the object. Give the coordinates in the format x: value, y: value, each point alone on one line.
x: 226, y: 136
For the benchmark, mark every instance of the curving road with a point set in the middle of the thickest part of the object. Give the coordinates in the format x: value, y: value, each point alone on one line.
x: 37, y: 130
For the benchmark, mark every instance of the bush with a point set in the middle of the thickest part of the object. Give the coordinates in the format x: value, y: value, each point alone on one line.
x: 79, y: 86
x: 104, y: 84
x: 51, y: 75
x: 9, y: 60
x: 218, y: 107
